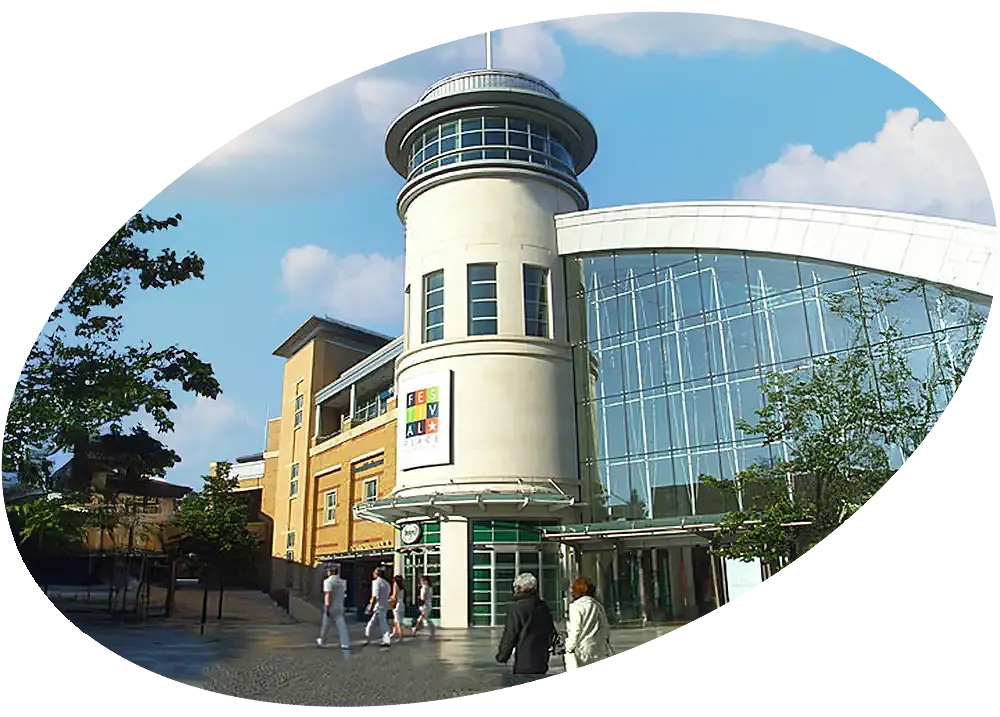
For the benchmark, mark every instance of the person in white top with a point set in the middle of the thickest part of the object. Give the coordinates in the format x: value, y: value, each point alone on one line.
x: 378, y: 606
x: 426, y: 605
x: 589, y: 634
x: 397, y: 603
x: 334, y: 592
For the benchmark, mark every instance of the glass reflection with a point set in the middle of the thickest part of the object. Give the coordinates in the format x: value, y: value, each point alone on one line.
x: 671, y: 348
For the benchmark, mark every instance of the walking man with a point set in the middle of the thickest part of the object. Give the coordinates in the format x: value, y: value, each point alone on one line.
x: 378, y: 606
x: 334, y: 592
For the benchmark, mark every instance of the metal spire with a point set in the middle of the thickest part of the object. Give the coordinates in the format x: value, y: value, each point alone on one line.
x: 489, y: 50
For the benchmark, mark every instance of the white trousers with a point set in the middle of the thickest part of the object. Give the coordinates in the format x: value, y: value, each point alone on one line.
x: 425, y: 613
x: 338, y: 618
x: 383, y: 624
x: 570, y: 660
x: 573, y: 663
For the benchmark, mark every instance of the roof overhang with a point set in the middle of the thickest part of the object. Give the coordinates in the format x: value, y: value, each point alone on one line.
x: 368, y: 366
x: 354, y: 554
x: 950, y: 253
x: 395, y: 511
x: 339, y: 333
x: 522, y: 96
x: 620, y: 531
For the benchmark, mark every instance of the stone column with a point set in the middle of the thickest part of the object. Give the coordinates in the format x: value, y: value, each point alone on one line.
x: 454, y: 589
x: 691, y: 611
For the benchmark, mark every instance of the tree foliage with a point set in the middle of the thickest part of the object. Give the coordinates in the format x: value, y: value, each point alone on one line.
x: 214, y: 523
x: 80, y: 380
x: 48, y: 522
x: 839, y: 428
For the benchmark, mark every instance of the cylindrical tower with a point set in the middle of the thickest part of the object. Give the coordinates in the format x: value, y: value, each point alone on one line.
x: 485, y: 382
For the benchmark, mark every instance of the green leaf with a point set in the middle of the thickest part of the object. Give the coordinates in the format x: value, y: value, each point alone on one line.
x: 79, y: 380
x: 837, y: 428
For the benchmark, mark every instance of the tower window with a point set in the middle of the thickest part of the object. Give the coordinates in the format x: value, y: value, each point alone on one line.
x: 536, y: 301
x: 493, y: 137
x: 482, y: 299
x: 434, y: 306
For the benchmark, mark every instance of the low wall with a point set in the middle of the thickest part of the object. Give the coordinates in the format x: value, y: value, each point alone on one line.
x: 304, y: 610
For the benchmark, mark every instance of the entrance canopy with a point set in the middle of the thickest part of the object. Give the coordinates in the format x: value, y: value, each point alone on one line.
x: 354, y: 555
x: 640, y: 533
x: 432, y: 507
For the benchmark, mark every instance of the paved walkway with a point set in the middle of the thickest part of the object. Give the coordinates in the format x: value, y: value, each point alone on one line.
x: 280, y: 663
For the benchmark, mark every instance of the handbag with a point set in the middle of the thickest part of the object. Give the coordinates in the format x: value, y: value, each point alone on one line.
x: 557, y: 644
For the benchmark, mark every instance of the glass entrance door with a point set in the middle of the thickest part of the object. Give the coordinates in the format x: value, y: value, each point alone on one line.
x: 416, y: 564
x: 493, y: 571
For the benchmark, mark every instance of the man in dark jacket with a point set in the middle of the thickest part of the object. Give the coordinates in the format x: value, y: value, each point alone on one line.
x: 529, y: 629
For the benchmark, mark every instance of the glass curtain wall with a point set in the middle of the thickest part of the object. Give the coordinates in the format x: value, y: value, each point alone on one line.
x: 671, y: 348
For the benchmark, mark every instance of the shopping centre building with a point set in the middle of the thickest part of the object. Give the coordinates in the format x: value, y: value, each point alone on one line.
x: 566, y: 374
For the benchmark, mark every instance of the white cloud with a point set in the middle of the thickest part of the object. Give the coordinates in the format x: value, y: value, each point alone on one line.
x: 913, y: 165
x: 334, y: 138
x: 362, y: 289
x: 530, y: 49
x: 381, y: 99
x: 684, y: 34
x: 206, y: 430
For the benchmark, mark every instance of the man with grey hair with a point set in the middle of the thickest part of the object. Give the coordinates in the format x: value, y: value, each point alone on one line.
x: 528, y: 631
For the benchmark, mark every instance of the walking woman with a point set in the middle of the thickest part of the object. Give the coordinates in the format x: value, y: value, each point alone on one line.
x: 397, y: 603
x: 589, y: 634
x: 426, y: 605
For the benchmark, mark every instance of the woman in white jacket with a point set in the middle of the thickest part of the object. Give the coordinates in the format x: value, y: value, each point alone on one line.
x: 589, y: 637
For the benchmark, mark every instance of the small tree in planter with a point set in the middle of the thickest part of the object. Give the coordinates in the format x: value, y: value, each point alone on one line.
x: 215, y: 530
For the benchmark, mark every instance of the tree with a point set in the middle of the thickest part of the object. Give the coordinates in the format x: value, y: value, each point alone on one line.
x: 43, y: 526
x: 214, y: 525
x: 838, y: 426
x: 48, y: 521
x: 79, y: 380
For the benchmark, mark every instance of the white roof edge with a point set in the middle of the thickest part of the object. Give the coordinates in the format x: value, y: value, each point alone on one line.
x: 569, y: 217
x: 953, y: 253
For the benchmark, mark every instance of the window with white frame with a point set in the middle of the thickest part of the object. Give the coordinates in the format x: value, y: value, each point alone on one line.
x: 482, y: 299
x: 536, y: 301
x: 293, y: 483
x: 371, y: 489
x: 330, y: 507
x: 290, y: 545
x: 299, y: 402
x: 434, y: 306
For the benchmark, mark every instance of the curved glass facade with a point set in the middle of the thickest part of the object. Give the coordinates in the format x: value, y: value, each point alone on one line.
x: 489, y: 137
x: 671, y: 349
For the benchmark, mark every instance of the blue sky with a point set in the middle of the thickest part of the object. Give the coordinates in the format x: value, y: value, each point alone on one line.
x: 297, y: 216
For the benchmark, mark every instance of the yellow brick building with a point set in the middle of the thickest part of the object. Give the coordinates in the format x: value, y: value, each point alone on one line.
x: 333, y: 446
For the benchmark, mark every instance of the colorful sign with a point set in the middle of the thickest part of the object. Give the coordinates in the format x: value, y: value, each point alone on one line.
x: 425, y: 421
